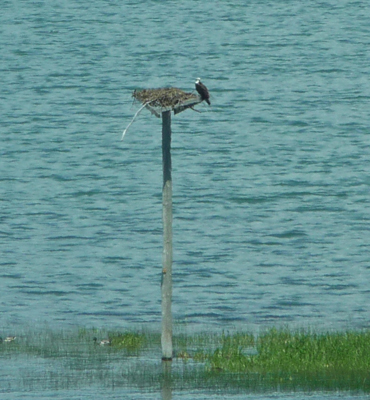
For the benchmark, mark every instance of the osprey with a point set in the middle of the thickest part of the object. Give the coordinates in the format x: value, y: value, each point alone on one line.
x: 202, y: 90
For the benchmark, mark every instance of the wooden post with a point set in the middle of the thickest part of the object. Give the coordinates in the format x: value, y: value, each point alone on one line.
x: 157, y: 100
x: 166, y: 285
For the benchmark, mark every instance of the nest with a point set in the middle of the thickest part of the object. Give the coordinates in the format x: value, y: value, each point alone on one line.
x: 164, y: 97
x: 160, y: 100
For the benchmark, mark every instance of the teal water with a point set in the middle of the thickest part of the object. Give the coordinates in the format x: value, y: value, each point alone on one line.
x: 271, y: 183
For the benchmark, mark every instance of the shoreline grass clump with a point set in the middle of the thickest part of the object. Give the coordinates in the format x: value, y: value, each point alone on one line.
x: 301, y: 353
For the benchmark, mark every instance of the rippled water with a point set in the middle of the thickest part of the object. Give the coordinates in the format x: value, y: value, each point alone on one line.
x: 271, y: 183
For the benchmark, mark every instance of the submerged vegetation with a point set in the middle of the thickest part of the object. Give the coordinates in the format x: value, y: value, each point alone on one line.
x: 130, y: 341
x: 277, y: 358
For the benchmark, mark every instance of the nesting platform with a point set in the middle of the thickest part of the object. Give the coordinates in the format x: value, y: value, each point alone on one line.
x: 166, y: 99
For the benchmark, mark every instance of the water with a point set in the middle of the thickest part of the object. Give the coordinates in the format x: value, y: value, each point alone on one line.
x: 271, y: 183
x: 199, y: 395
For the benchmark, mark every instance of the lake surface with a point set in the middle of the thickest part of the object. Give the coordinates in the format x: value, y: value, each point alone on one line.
x: 271, y: 184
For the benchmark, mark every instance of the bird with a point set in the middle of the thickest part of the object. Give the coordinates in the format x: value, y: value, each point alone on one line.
x: 104, y: 342
x: 202, y: 90
x: 8, y: 339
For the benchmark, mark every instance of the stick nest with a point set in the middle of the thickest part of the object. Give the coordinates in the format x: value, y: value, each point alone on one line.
x: 163, y: 97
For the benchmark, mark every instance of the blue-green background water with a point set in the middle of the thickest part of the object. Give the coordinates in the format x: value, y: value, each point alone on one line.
x: 270, y: 184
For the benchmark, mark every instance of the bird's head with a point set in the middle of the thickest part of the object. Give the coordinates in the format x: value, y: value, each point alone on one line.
x: 198, y: 80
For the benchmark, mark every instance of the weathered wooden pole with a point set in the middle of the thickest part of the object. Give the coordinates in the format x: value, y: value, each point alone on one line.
x: 161, y: 102
x: 166, y: 285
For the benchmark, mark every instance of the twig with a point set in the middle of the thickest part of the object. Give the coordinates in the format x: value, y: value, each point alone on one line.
x: 133, y: 119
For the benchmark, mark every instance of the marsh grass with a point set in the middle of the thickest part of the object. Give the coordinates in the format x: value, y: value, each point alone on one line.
x: 295, y: 352
x: 275, y: 359
x: 332, y: 360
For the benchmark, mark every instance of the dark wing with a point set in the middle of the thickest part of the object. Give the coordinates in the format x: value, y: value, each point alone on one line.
x: 199, y: 89
x: 203, y: 91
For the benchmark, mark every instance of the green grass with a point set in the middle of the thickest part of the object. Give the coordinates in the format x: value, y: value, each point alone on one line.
x: 312, y: 352
x: 298, y: 359
x: 295, y: 352
x: 277, y: 358
x: 130, y: 341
